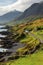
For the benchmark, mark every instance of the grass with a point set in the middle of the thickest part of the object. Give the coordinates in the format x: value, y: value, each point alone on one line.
x: 34, y: 59
x: 39, y: 34
x: 31, y: 41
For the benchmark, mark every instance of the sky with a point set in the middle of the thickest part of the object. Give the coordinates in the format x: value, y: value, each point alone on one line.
x: 20, y: 5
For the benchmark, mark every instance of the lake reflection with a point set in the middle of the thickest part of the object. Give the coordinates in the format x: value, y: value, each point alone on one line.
x: 2, y: 26
x: 1, y: 30
x: 2, y: 36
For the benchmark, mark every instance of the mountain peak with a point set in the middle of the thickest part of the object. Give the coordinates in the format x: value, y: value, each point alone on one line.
x: 35, y: 9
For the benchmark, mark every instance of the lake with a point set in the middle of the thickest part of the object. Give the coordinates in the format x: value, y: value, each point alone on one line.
x: 2, y: 36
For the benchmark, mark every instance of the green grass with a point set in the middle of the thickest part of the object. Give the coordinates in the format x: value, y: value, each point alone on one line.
x: 27, y: 39
x: 31, y: 41
x: 34, y: 59
x: 39, y: 34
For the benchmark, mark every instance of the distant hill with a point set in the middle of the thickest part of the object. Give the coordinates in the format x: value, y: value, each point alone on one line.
x: 9, y: 16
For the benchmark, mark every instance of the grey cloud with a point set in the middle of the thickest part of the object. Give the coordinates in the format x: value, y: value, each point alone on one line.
x: 20, y: 5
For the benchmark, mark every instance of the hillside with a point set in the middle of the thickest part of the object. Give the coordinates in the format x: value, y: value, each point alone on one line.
x: 9, y: 16
x: 21, y: 32
x: 28, y: 26
x: 32, y: 35
x: 35, y: 9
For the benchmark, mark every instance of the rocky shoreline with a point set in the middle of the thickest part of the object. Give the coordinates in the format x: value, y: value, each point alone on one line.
x: 9, y: 44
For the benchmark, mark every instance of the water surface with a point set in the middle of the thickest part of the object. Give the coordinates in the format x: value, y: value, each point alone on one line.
x: 2, y: 36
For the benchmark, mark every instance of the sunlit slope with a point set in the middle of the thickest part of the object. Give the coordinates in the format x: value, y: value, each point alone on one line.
x: 32, y: 35
x: 29, y: 33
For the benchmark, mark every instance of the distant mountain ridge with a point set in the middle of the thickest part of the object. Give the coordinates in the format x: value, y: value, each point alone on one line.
x: 9, y: 16
x: 33, y: 12
x: 36, y: 9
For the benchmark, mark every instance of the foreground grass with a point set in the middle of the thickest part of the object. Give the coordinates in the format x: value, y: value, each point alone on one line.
x: 34, y: 59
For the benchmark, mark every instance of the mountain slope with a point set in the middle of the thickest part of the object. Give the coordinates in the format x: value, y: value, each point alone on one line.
x: 9, y: 16
x: 34, y: 10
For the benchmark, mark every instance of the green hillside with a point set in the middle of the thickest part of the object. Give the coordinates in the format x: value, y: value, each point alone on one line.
x: 30, y: 34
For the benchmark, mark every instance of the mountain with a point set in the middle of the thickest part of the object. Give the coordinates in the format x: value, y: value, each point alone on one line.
x: 9, y: 16
x: 36, y: 9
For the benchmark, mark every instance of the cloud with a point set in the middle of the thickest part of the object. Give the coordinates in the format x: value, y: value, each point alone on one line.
x: 20, y: 5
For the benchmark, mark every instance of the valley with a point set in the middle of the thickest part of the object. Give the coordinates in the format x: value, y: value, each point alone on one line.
x: 21, y: 36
